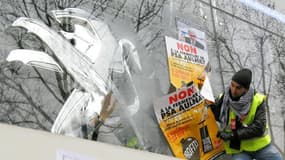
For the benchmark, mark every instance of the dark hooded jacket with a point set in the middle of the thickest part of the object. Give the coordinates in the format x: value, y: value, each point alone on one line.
x: 255, y: 129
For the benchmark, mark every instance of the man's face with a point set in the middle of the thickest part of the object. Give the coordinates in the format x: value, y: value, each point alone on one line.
x: 192, y: 36
x: 237, y: 90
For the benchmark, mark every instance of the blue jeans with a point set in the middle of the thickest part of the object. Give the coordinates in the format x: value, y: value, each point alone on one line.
x: 267, y: 153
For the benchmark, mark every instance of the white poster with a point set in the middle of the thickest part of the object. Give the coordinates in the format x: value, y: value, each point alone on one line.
x: 191, y: 35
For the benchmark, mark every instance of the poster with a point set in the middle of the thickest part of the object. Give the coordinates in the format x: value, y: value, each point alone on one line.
x: 186, y: 63
x: 188, y: 125
x: 186, y: 122
x: 190, y: 35
x: 197, y: 39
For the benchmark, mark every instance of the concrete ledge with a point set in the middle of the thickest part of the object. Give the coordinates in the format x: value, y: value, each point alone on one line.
x: 22, y: 143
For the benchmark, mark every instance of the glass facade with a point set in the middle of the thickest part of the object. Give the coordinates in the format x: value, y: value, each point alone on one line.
x: 238, y: 34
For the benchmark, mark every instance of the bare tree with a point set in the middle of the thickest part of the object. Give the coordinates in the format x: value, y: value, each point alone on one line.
x: 19, y: 94
x: 262, y: 44
x: 147, y: 10
x: 18, y: 105
x: 279, y: 50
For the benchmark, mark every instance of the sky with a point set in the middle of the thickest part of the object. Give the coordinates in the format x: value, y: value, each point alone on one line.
x: 275, y: 10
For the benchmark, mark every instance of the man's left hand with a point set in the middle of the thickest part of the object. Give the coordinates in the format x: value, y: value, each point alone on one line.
x: 225, y: 135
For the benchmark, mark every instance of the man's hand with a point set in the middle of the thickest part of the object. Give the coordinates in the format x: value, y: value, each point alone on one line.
x: 225, y: 135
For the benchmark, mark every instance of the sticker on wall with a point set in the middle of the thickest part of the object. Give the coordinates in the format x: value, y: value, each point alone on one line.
x: 67, y: 155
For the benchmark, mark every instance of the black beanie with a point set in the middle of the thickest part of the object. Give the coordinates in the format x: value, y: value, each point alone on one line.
x: 243, y: 77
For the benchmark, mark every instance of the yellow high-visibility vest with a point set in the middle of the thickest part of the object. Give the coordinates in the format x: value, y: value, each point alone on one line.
x: 252, y: 144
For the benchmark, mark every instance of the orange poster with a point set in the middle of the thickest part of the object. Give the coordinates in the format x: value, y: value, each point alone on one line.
x: 188, y: 125
x: 186, y: 62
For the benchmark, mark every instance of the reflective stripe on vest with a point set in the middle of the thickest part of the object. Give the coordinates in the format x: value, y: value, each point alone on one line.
x: 253, y: 144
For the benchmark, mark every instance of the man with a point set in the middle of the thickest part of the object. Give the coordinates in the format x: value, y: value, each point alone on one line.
x: 191, y: 38
x: 194, y: 40
x: 243, y: 125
